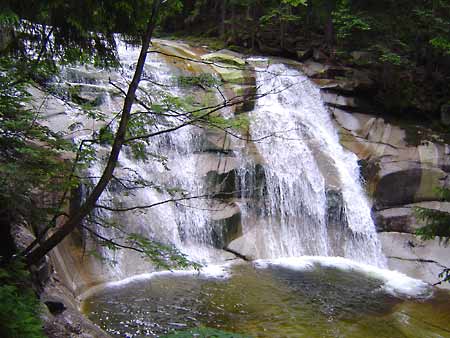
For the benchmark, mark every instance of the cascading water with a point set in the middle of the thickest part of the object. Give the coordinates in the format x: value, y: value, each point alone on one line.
x: 299, y: 194
x: 312, y: 202
x: 171, y: 169
x: 304, y: 198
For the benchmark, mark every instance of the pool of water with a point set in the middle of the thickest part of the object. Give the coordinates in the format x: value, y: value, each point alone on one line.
x: 274, y: 300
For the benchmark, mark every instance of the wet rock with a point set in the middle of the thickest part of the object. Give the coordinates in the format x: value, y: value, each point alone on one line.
x: 407, y: 253
x: 400, y: 174
x: 337, y: 100
x: 314, y: 69
x: 250, y: 245
x: 394, y: 163
x: 218, y: 163
x: 243, y: 97
x: 408, y: 186
x: 55, y: 306
x: 225, y: 56
x: 226, y: 220
x: 222, y: 185
x: 215, y: 140
x: 403, y: 218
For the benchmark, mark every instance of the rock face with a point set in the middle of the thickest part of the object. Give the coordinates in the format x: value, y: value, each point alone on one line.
x: 402, y: 167
x: 215, y: 157
x: 414, y: 257
x: 60, y: 313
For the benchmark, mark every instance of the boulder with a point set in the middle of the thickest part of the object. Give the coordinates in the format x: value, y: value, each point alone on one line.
x: 216, y: 163
x: 250, y: 246
x: 314, y: 69
x: 226, y: 220
x: 418, y: 169
x: 336, y: 100
x: 407, y: 253
x: 408, y: 185
x: 351, y: 83
x: 403, y: 219
x: 215, y: 140
x: 402, y: 167
x: 225, y: 56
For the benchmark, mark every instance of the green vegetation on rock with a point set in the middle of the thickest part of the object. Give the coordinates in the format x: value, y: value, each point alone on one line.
x: 19, y: 305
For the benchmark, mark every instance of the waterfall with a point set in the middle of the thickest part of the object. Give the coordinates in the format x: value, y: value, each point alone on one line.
x: 312, y: 202
x: 300, y: 190
x: 171, y: 171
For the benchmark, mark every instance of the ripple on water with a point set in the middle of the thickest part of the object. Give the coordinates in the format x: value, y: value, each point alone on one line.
x: 307, y: 297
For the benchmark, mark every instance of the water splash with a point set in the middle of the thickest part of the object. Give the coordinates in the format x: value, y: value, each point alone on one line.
x: 312, y: 202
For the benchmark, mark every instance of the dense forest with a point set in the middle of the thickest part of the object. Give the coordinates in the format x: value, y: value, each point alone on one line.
x: 403, y: 45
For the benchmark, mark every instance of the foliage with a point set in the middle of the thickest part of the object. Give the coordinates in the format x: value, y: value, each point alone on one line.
x: 30, y: 162
x: 162, y: 255
x: 29, y: 151
x: 295, y: 3
x: 348, y: 23
x: 437, y: 222
x: 18, y: 304
x: 204, y: 80
x: 441, y: 44
x: 204, y: 332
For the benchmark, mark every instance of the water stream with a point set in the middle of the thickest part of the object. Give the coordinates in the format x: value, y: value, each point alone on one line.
x: 301, y: 204
x: 313, y: 202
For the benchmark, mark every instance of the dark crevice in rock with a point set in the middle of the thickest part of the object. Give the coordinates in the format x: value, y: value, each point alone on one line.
x: 55, y: 307
x: 419, y: 260
x: 237, y: 254
x: 219, y: 152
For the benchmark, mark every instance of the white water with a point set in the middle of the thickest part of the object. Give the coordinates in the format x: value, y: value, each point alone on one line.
x: 303, y: 165
x: 394, y: 282
x: 171, y: 170
x: 307, y: 175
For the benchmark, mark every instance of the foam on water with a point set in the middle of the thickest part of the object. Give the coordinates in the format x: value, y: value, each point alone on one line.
x: 312, y: 201
x: 212, y: 271
x: 394, y: 282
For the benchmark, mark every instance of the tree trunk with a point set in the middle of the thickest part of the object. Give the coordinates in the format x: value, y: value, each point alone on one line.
x: 329, y: 27
x: 223, y: 14
x: 75, y: 219
x: 309, y: 19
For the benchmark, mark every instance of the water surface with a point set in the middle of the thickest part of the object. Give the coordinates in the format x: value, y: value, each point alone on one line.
x: 271, y: 300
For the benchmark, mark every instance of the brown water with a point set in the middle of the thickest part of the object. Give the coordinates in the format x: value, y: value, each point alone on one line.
x: 269, y: 302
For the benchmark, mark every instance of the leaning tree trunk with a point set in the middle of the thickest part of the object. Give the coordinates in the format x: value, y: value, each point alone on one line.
x: 76, y: 218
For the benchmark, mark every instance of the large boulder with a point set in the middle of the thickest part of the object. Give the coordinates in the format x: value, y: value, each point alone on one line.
x: 402, y: 168
x: 238, y: 76
x: 391, y: 161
